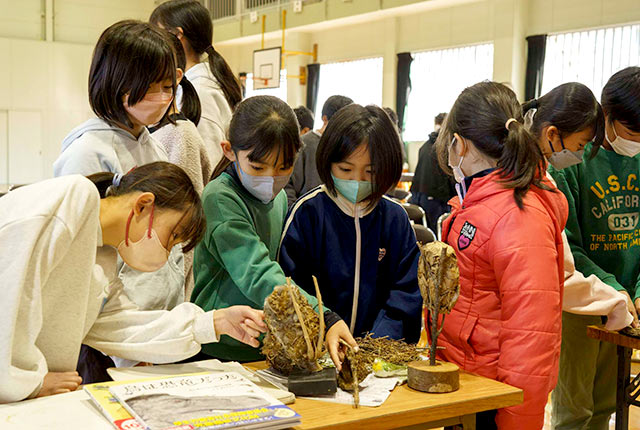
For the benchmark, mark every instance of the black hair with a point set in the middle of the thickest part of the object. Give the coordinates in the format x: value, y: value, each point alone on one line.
x: 393, y: 116
x: 196, y: 24
x: 334, y: 104
x: 480, y: 114
x: 191, y: 107
x: 129, y: 56
x: 262, y: 124
x: 620, y: 98
x: 439, y: 119
x: 305, y: 117
x: 355, y: 125
x: 570, y: 107
x: 171, y: 187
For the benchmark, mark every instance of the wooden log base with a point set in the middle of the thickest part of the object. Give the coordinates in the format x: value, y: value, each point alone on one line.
x: 442, y: 378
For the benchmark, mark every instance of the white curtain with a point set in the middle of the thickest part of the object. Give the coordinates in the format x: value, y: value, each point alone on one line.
x: 361, y: 80
x: 280, y: 92
x: 437, y: 79
x: 590, y: 57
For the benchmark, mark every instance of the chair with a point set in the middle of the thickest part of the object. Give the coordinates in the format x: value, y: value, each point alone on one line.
x: 400, y: 194
x: 441, y: 219
x: 423, y: 234
x: 416, y: 213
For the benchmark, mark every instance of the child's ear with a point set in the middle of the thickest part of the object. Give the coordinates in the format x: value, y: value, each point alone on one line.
x: 180, y: 33
x: 142, y: 202
x: 179, y: 76
x: 228, y: 152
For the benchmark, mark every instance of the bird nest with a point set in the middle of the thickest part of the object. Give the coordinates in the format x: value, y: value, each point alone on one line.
x: 295, y: 333
x: 357, y: 365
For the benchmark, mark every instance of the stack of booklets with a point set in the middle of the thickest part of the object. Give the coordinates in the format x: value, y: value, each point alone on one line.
x: 220, y: 400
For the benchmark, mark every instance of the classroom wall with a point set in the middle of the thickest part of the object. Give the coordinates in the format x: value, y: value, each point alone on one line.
x: 506, y: 23
x: 43, y: 84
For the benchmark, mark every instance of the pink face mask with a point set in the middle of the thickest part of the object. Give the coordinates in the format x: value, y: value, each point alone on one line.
x: 150, y: 109
x: 146, y: 255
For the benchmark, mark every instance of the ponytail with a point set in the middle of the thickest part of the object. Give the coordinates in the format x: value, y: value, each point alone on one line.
x: 225, y: 77
x: 191, y: 107
x: 488, y: 114
x: 171, y: 187
x: 195, y: 21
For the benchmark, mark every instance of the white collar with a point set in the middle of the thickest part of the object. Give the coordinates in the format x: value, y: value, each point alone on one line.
x: 362, y: 209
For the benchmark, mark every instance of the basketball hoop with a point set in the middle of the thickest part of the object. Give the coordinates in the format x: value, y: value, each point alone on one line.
x: 266, y: 68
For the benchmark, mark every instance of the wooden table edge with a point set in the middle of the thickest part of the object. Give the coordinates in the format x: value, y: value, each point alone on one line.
x: 600, y: 333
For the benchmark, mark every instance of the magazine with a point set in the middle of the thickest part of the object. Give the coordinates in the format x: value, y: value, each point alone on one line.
x: 207, y: 401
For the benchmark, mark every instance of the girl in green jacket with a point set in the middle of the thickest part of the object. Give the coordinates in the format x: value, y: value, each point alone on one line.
x: 245, y: 209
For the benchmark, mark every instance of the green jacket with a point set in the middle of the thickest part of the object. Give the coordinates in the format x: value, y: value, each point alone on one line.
x: 603, y: 228
x: 235, y: 264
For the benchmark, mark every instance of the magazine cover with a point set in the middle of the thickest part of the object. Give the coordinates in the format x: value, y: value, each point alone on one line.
x: 208, y: 401
x: 111, y: 408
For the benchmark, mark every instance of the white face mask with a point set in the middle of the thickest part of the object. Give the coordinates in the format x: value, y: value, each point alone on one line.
x: 458, y: 174
x: 263, y: 188
x: 146, y: 255
x: 626, y: 147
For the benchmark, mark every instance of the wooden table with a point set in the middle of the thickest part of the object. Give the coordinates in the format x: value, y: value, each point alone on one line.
x: 409, y: 409
x: 628, y: 390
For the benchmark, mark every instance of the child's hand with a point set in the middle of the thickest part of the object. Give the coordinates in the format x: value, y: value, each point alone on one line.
x: 59, y: 382
x: 339, y: 331
x: 241, y: 323
x: 633, y: 310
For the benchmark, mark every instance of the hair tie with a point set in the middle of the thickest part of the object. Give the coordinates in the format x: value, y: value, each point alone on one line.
x: 210, y: 47
x: 116, y: 179
x: 508, y: 123
x: 534, y: 104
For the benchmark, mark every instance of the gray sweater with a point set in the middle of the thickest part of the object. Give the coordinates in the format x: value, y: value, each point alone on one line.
x: 305, y: 173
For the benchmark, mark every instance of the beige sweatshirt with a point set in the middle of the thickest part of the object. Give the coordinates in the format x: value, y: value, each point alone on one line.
x: 59, y: 288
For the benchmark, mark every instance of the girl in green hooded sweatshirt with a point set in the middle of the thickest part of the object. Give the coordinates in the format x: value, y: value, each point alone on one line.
x: 245, y: 207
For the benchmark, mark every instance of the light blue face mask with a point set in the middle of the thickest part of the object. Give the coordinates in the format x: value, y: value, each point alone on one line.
x: 263, y: 188
x: 354, y: 191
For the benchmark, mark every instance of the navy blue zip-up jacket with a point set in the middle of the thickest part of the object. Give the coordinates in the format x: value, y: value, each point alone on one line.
x: 320, y: 238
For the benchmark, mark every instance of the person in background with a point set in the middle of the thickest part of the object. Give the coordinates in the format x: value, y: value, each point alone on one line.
x: 245, y: 209
x: 58, y: 265
x: 178, y: 135
x: 305, y: 174
x: 393, y: 116
x: 603, y: 218
x: 305, y: 119
x: 215, y: 83
x: 431, y: 187
x: 127, y: 95
x: 358, y: 243
x: 506, y: 230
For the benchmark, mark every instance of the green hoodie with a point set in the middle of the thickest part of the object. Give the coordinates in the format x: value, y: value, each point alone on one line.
x: 235, y: 264
x: 603, y: 228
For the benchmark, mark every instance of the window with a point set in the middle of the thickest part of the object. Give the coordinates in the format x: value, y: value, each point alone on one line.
x: 360, y: 80
x: 280, y: 92
x: 590, y: 57
x: 437, y: 79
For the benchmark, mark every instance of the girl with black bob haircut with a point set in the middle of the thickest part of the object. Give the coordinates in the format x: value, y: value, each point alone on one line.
x: 506, y: 230
x: 132, y: 84
x: 602, y: 192
x: 215, y: 83
x: 62, y: 286
x: 564, y: 121
x: 245, y: 206
x: 357, y: 242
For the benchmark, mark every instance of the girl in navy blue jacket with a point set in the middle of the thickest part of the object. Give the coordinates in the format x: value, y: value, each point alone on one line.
x: 358, y: 243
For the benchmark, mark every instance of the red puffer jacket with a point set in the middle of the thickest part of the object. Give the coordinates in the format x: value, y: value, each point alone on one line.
x: 506, y: 324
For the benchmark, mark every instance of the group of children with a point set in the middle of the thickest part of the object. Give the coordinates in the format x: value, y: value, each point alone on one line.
x: 178, y: 209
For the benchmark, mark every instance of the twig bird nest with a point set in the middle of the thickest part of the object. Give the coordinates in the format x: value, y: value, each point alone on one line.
x: 392, y: 351
x: 428, y: 274
x: 295, y: 335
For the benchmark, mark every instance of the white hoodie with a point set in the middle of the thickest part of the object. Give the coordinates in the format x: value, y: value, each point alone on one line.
x: 95, y: 146
x: 216, y: 112
x: 60, y: 289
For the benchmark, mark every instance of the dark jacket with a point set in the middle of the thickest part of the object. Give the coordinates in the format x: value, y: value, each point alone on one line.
x: 429, y: 178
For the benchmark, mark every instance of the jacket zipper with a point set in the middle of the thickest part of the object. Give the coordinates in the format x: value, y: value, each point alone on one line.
x: 356, y: 278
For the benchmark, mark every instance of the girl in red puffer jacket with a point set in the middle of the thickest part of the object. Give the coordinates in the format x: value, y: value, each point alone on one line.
x: 506, y: 228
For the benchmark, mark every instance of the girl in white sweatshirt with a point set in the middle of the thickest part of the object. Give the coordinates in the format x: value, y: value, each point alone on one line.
x: 60, y: 288
x: 217, y: 86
